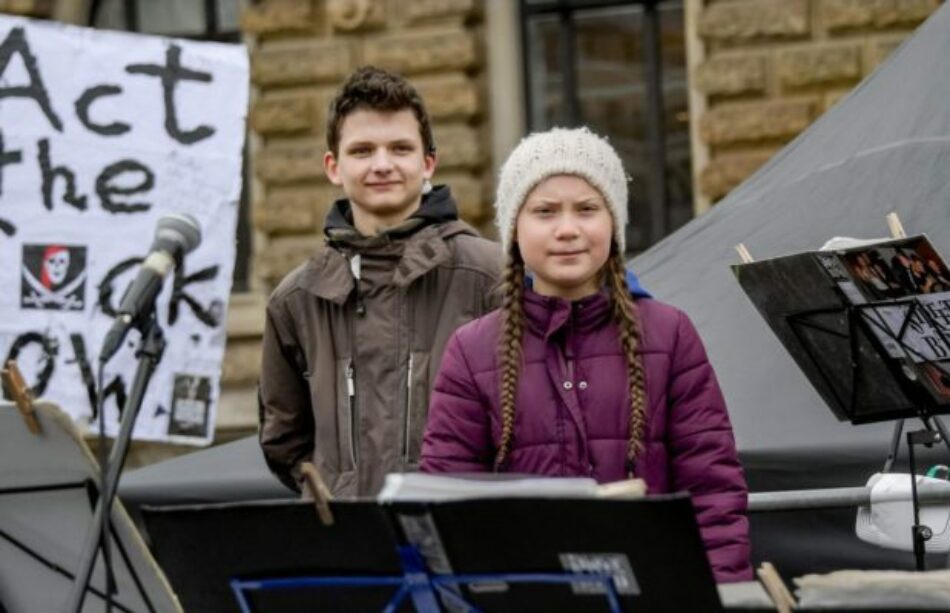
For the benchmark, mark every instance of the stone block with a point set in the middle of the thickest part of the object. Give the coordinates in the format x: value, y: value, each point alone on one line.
x: 287, y: 113
x: 469, y: 193
x: 277, y: 15
x: 423, y: 10
x: 242, y: 362
x: 808, y: 65
x: 745, y: 20
x: 285, y: 162
x: 295, y: 210
x: 834, y: 97
x: 246, y: 315
x: 284, y: 253
x: 729, y: 74
x: 32, y: 8
x: 292, y: 62
x: 458, y: 146
x: 356, y: 15
x: 879, y: 48
x: 728, y: 170
x: 424, y: 50
x: 453, y: 96
x: 237, y: 413
x: 861, y: 14
x: 756, y: 121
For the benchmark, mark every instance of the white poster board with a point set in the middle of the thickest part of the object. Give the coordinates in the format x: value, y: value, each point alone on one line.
x: 102, y: 133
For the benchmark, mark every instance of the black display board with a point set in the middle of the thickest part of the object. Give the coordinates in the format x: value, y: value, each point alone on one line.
x: 651, y: 547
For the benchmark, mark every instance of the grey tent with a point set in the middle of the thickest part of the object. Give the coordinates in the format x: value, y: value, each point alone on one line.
x: 886, y: 147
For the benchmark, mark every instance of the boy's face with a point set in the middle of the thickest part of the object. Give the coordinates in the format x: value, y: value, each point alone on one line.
x: 381, y: 166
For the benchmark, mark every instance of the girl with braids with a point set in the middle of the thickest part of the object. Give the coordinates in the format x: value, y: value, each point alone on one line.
x: 580, y: 372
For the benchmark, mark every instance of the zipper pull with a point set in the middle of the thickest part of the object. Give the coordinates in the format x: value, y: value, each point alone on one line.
x: 356, y: 264
x: 350, y: 386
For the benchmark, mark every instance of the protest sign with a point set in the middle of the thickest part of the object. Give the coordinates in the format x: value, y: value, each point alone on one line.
x: 102, y: 133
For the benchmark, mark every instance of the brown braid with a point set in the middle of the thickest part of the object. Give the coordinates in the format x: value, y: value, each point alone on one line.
x: 625, y: 314
x: 509, y: 348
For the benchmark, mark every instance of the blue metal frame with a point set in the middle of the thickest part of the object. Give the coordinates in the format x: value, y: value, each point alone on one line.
x: 422, y: 586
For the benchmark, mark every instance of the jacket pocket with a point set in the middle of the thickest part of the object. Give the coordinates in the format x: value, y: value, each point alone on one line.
x: 347, y: 419
x: 415, y: 408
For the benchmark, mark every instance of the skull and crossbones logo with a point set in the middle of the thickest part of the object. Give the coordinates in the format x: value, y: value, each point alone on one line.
x: 54, y: 289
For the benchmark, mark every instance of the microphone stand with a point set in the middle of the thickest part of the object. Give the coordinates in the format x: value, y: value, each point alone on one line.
x: 152, y: 346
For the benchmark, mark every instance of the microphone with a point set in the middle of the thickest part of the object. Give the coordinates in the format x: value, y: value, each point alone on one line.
x: 175, y: 235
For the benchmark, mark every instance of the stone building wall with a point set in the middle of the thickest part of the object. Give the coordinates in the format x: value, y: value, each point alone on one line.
x: 768, y: 68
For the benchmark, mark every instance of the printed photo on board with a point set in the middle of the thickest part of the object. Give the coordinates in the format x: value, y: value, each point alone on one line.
x: 191, y: 401
x: 898, y: 270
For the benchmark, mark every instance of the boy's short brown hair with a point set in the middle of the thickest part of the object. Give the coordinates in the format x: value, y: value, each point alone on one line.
x: 377, y: 90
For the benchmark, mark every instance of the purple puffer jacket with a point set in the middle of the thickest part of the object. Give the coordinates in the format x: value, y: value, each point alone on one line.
x: 574, y: 411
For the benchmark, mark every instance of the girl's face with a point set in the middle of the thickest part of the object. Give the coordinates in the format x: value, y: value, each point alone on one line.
x: 564, y: 231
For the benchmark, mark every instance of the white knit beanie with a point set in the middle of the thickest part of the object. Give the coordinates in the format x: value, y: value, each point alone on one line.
x: 560, y: 151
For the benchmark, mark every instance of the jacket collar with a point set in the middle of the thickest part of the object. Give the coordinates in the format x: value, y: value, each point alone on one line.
x: 438, y: 206
x: 633, y: 282
x: 547, y: 315
x: 328, y: 274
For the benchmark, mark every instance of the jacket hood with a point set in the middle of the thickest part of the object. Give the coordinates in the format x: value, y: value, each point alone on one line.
x: 438, y: 206
x: 422, y: 244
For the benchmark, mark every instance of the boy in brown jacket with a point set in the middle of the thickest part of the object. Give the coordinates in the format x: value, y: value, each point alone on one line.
x: 354, y: 335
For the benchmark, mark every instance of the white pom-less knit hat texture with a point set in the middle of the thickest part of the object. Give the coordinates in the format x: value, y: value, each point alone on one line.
x: 560, y: 151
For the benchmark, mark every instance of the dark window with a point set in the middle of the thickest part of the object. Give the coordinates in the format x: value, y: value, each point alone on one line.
x: 619, y: 68
x: 217, y: 20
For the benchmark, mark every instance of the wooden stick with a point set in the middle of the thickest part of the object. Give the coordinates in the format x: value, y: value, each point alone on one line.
x: 895, y: 225
x: 320, y: 491
x: 774, y: 585
x: 744, y: 254
x: 18, y: 390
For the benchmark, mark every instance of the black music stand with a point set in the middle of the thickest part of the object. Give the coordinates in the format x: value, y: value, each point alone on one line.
x: 846, y: 349
x: 499, y: 554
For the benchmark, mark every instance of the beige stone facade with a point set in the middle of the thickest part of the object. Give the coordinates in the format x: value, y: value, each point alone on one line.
x: 763, y: 70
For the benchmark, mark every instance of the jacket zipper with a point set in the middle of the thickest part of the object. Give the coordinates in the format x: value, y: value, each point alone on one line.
x: 351, y: 394
x: 355, y: 269
x: 408, y: 416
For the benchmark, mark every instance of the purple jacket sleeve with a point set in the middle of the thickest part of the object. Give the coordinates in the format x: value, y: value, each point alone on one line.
x: 458, y: 431
x: 703, y: 457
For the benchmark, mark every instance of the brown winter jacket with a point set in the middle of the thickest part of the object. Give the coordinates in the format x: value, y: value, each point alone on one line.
x: 347, y: 368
